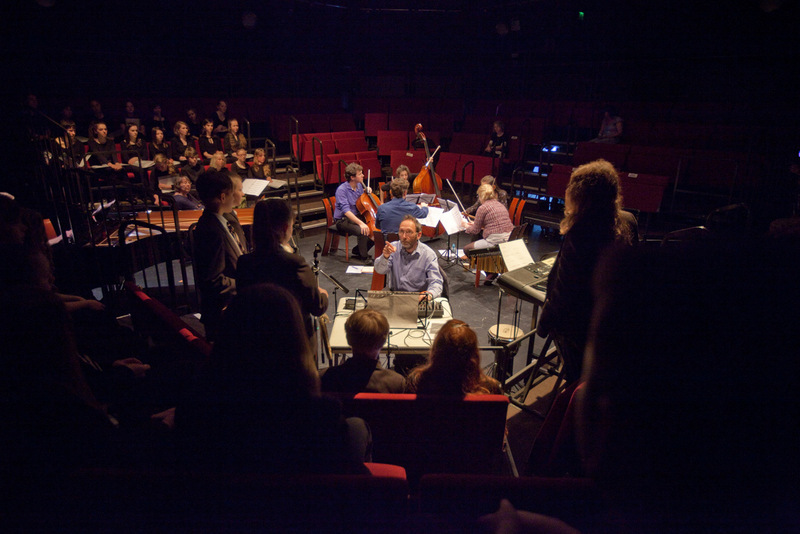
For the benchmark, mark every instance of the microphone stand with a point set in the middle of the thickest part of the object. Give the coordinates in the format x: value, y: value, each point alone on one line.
x: 336, y: 285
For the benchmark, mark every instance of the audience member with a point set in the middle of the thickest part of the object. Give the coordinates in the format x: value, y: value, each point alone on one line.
x: 219, y: 241
x: 184, y: 198
x: 240, y: 166
x: 497, y: 147
x: 158, y: 120
x: 260, y: 168
x: 181, y: 142
x: 454, y: 366
x: 272, y: 260
x: 366, y: 331
x: 234, y: 139
x: 217, y: 161
x: 209, y: 143
x: 193, y: 168
x: 610, y: 128
x: 194, y: 123
x: 130, y: 117
x: 257, y: 406
x: 68, y: 142
x: 132, y: 147
x: 390, y: 213
x: 163, y: 173
x: 593, y: 221
x: 157, y: 143
x: 102, y: 149
x: 220, y: 120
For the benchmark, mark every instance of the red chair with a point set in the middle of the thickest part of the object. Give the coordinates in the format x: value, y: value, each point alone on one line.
x: 391, y: 140
x: 467, y: 143
x: 617, y: 155
x: 413, y: 159
x: 557, y: 180
x: 375, y: 122
x: 351, y: 145
x: 332, y: 233
x: 446, y: 165
x: 554, y: 452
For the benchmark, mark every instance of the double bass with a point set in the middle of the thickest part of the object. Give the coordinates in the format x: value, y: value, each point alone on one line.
x: 428, y: 182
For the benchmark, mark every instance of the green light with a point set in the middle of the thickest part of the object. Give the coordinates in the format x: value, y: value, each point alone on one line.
x: 580, y: 15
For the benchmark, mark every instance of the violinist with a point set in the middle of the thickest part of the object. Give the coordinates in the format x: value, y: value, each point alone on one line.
x: 502, y: 196
x: 392, y: 212
x: 346, y: 215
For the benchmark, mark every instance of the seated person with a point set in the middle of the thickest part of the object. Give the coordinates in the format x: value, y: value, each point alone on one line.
x: 217, y: 161
x: 102, y: 148
x: 414, y: 266
x: 234, y: 139
x: 181, y: 142
x: 260, y: 168
x: 390, y: 213
x: 498, y: 142
x: 209, y: 143
x: 257, y: 406
x: 346, y: 215
x: 366, y: 332
x: 133, y: 148
x: 492, y: 218
x: 73, y: 150
x: 193, y: 168
x: 163, y: 174
x: 502, y: 196
x: 454, y: 366
x: 220, y: 120
x: 610, y: 128
x: 183, y: 196
x: 157, y: 143
x: 219, y: 242
x: 158, y: 120
x: 240, y: 166
x: 194, y: 123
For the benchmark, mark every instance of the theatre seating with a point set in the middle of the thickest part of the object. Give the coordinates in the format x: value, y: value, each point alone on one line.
x: 115, y: 500
x: 389, y: 140
x: 433, y: 434
x: 154, y: 320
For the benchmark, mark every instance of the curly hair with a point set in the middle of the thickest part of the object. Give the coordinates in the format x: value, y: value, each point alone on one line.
x: 594, y: 200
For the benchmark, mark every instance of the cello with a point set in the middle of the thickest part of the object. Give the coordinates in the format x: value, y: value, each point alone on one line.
x: 367, y: 205
x: 428, y: 182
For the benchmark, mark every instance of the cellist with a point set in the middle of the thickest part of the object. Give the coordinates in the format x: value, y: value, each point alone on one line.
x: 346, y: 215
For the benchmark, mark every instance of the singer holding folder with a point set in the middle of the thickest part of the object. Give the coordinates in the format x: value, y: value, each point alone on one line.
x: 414, y: 266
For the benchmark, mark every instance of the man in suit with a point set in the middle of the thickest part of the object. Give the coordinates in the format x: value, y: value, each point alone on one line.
x: 219, y: 241
x: 366, y: 332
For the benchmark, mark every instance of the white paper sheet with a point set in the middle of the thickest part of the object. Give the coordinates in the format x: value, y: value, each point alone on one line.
x: 452, y: 221
x: 432, y: 220
x: 515, y: 254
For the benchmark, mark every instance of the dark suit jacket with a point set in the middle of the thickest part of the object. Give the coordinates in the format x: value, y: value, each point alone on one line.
x: 289, y: 271
x: 361, y: 374
x: 215, y: 263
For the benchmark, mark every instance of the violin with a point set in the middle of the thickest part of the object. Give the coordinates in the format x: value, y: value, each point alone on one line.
x: 367, y: 205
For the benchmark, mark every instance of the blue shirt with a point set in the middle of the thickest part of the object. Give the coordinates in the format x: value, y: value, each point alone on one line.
x: 416, y: 272
x: 391, y: 213
x: 346, y: 199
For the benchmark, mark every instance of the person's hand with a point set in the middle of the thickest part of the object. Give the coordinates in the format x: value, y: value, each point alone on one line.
x: 138, y: 368
x: 368, y: 190
x: 364, y: 228
x: 424, y: 295
x: 115, y: 166
x: 508, y: 520
x: 423, y: 204
x: 388, y: 250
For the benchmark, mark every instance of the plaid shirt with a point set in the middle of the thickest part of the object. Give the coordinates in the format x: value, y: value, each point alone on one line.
x: 492, y: 217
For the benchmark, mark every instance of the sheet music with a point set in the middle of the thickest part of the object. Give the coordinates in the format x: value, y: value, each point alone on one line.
x: 515, y: 254
x: 452, y: 221
x: 432, y: 220
x: 254, y: 186
x: 276, y: 184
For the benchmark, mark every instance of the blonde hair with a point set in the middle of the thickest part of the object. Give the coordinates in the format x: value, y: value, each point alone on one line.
x: 486, y: 192
x: 366, y: 329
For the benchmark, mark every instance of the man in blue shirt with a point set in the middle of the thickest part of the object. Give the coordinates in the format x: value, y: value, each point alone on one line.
x: 346, y: 214
x: 414, y: 266
x: 392, y: 212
